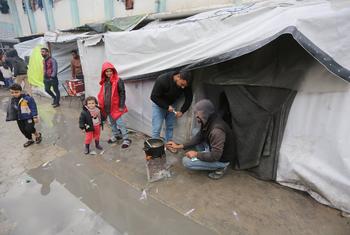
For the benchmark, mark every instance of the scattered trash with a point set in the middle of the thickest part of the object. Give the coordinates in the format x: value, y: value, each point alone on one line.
x: 143, y: 195
x: 102, y: 152
x: 189, y: 212
x: 345, y: 214
x: 92, y: 180
x: 82, y: 209
x: 43, y: 165
x: 156, y: 190
x: 78, y: 164
x: 117, y: 160
x: 28, y: 181
x: 157, y: 169
x: 235, y: 214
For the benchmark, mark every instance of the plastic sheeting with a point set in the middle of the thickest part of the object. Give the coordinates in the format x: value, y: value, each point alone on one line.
x: 321, y: 27
x: 314, y: 155
x: 314, y: 152
x: 25, y: 48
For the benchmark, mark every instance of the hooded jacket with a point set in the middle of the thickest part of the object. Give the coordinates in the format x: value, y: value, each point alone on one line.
x: 215, y: 132
x: 117, y: 103
x: 18, y: 64
x: 25, y: 107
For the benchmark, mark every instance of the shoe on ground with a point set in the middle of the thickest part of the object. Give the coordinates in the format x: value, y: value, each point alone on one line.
x: 38, y: 139
x: 99, y: 147
x: 112, y: 140
x: 218, y: 174
x: 56, y: 105
x: 28, y: 143
x: 126, y: 143
x: 86, y: 150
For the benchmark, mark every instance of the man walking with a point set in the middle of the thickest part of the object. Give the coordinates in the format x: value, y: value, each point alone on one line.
x: 167, y: 89
x: 50, y: 77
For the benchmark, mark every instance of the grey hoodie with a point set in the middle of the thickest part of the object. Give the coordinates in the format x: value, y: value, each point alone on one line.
x: 215, y: 132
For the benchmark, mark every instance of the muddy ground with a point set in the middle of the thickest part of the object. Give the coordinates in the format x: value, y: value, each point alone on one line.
x: 53, y: 188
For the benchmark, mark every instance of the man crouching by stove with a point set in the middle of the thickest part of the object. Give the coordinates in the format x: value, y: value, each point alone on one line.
x: 213, y: 143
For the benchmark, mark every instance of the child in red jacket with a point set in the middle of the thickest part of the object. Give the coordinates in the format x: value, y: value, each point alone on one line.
x: 112, y: 103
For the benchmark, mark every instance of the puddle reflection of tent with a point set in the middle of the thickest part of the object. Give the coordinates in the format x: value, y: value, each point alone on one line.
x: 280, y: 84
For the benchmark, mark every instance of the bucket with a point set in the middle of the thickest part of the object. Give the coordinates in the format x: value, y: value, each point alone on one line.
x: 154, y: 148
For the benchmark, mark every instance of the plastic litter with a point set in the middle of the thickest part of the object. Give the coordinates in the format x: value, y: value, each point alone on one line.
x: 92, y: 180
x: 117, y: 160
x: 345, y: 214
x: 82, y: 209
x: 143, y: 195
x: 102, y: 152
x: 45, y: 164
x: 189, y: 212
x: 28, y: 181
x: 235, y: 215
x: 78, y: 164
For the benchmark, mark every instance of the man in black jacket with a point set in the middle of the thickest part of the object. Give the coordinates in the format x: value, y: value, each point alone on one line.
x: 214, y: 143
x: 167, y: 89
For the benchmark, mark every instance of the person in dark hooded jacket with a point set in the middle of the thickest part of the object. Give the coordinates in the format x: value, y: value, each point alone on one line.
x: 214, y: 143
x: 20, y: 68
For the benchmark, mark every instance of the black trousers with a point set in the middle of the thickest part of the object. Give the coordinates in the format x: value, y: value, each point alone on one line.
x: 27, y: 127
x: 52, y: 82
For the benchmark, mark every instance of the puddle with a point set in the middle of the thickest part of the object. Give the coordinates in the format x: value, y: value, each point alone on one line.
x: 64, y: 198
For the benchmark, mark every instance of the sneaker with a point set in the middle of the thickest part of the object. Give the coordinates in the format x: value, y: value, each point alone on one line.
x: 218, y: 174
x: 28, y: 143
x: 38, y: 138
x: 126, y: 143
x: 112, y: 140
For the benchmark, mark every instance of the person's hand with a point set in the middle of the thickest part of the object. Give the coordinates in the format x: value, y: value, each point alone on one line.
x: 173, y: 145
x: 178, y: 114
x: 170, y: 109
x: 191, y: 154
x: 36, y: 120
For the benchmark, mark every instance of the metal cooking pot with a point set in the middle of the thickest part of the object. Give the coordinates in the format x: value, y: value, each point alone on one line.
x: 154, y: 147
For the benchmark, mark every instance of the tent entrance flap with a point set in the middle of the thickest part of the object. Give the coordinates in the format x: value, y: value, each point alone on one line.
x: 258, y: 117
x: 254, y: 94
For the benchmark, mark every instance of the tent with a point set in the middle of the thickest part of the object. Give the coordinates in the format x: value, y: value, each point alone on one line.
x: 61, y: 44
x: 278, y: 72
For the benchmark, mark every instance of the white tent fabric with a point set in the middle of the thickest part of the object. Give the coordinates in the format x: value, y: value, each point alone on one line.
x: 25, y: 48
x: 239, y: 30
x: 314, y: 155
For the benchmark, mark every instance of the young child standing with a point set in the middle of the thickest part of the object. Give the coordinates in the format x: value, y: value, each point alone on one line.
x: 112, y: 102
x: 25, y: 110
x: 90, y: 122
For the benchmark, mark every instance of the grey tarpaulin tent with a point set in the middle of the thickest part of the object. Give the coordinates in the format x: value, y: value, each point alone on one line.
x: 277, y: 72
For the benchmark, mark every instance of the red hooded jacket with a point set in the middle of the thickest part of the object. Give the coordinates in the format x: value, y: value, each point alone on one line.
x: 116, y: 110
